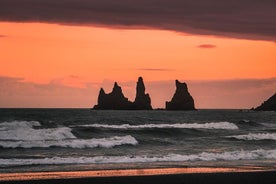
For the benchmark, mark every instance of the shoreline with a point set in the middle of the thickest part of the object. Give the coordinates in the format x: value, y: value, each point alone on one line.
x: 163, y: 175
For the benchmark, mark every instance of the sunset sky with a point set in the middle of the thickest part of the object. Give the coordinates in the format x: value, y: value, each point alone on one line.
x: 59, y: 53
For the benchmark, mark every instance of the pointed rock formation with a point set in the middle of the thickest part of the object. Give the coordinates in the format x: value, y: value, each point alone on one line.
x: 182, y: 100
x: 268, y: 105
x: 114, y: 100
x: 117, y: 101
x: 142, y: 100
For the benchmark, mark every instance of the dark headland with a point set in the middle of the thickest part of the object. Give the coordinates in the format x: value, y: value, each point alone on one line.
x: 268, y: 105
x: 182, y: 100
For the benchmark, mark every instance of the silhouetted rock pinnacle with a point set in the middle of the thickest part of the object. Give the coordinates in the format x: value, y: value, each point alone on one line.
x: 117, y: 101
x: 142, y: 100
x: 114, y: 100
x: 182, y: 100
x: 268, y: 105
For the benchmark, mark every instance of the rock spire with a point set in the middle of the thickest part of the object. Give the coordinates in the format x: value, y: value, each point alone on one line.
x: 117, y: 101
x: 142, y: 100
x: 181, y: 100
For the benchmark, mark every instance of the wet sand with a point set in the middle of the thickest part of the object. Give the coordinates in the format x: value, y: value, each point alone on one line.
x: 148, y: 176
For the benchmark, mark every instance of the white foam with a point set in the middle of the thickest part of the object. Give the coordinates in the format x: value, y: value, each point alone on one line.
x: 22, y: 134
x: 211, y: 125
x: 72, y: 143
x: 229, y: 156
x: 256, y: 136
x: 24, y: 130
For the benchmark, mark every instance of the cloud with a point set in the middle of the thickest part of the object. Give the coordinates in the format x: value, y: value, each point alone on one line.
x: 207, y: 46
x: 6, y: 80
x: 253, y: 19
x: 229, y: 94
x: 236, y: 93
x: 156, y: 69
x: 74, y: 76
x: 2, y: 36
x: 16, y: 92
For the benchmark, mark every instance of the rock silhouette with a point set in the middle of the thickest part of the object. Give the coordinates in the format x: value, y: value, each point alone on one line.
x: 117, y: 101
x: 142, y: 100
x: 114, y: 100
x: 268, y: 105
x: 182, y: 100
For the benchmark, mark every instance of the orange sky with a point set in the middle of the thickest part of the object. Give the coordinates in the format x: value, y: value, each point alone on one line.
x: 74, y: 56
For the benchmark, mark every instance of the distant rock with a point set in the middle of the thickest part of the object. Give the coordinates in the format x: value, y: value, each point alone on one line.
x: 142, y: 100
x: 114, y: 100
x: 268, y: 105
x: 117, y: 101
x: 182, y: 100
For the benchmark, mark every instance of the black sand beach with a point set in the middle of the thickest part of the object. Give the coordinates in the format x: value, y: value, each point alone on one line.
x: 147, y: 176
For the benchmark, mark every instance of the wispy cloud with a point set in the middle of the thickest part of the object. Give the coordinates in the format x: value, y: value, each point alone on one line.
x: 252, y: 19
x: 2, y: 36
x: 206, y: 46
x: 156, y: 69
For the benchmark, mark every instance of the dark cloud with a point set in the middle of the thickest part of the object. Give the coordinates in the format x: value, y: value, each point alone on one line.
x: 1, y: 36
x: 206, y: 46
x: 252, y: 19
x: 156, y: 69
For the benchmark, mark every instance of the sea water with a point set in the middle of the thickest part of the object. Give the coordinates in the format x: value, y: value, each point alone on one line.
x: 84, y: 139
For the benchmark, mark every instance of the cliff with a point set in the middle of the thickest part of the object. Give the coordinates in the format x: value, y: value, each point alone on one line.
x: 268, y: 105
x: 181, y: 100
x: 117, y: 101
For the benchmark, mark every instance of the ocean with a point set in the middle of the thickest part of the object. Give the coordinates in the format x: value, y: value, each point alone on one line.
x: 82, y: 139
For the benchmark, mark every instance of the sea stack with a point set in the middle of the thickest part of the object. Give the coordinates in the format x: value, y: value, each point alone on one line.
x: 117, y: 101
x: 114, y: 100
x: 182, y: 100
x: 268, y: 105
x: 142, y: 100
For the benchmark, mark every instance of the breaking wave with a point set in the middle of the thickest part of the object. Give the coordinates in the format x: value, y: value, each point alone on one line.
x: 256, y: 136
x: 228, y: 156
x: 25, y: 131
x: 73, y: 143
x: 22, y: 134
x: 211, y: 125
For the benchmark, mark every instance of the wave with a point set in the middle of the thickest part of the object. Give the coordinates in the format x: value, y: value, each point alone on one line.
x: 256, y: 136
x: 73, y: 143
x: 227, y: 156
x: 22, y: 134
x: 25, y: 131
x: 211, y: 125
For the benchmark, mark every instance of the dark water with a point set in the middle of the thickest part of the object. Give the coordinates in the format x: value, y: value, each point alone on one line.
x: 79, y: 139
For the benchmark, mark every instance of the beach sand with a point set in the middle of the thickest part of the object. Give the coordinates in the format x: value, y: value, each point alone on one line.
x: 148, y: 176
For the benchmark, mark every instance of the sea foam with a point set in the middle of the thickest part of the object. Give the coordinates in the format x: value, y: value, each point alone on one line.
x: 22, y: 134
x: 205, y: 156
x: 73, y: 143
x: 211, y: 125
x: 24, y: 130
x: 256, y: 136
